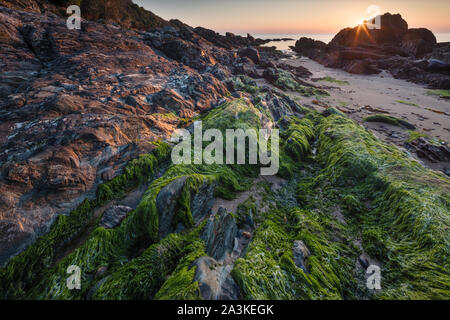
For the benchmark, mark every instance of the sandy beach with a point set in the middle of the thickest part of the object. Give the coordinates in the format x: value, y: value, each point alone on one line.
x: 362, y: 95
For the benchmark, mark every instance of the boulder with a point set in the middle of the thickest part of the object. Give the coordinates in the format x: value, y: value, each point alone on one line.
x: 418, y: 42
x: 307, y: 46
x: 250, y: 53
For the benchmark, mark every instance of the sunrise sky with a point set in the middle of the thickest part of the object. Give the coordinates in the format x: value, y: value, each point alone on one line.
x: 296, y: 16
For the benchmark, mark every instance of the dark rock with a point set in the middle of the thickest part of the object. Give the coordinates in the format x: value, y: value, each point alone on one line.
x: 438, y: 65
x: 393, y: 47
x: 214, y: 280
x: 309, y: 47
x: 392, y: 30
x: 271, y: 75
x: 112, y: 217
x: 301, y: 254
x: 219, y: 234
x: 418, y: 42
x: 279, y: 106
x: 298, y: 71
x: 167, y: 204
x: 250, y: 53
x: 442, y: 52
x: 427, y: 150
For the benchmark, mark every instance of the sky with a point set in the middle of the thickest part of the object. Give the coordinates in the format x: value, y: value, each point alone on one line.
x: 296, y: 16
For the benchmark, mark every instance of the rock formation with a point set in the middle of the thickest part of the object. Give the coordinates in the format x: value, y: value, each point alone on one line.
x: 409, y: 54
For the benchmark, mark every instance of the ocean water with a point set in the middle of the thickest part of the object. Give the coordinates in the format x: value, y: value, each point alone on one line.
x: 284, y: 45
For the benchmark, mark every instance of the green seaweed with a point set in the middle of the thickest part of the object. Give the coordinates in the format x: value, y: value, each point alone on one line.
x: 445, y: 94
x: 389, y: 120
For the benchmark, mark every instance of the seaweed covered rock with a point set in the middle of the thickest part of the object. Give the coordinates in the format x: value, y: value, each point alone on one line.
x: 183, y: 202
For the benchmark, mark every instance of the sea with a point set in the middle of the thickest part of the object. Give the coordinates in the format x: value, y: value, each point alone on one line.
x: 284, y: 45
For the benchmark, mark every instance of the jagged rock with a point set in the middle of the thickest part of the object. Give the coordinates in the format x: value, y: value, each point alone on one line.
x: 214, y: 280
x: 301, y: 254
x: 112, y: 217
x: 361, y: 67
x: 279, y: 106
x: 427, y: 150
x: 167, y: 204
x: 393, y: 47
x: 250, y: 53
x: 442, y: 52
x: 247, y: 69
x: 229, y: 41
x: 219, y: 234
x: 298, y: 71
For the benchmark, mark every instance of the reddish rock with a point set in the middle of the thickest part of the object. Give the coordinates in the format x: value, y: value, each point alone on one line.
x: 77, y: 105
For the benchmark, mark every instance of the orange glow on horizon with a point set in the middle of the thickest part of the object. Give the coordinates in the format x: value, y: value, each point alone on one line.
x: 296, y: 16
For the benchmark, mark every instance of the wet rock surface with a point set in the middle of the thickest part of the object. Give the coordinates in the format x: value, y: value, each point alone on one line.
x: 215, y: 281
x: 113, y: 216
x: 219, y: 234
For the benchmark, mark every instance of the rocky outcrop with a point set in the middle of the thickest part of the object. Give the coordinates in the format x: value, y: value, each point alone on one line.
x: 404, y: 52
x: 168, y: 204
x: 214, y: 280
x: 219, y: 234
x: 77, y: 105
x: 229, y: 40
x: 123, y: 13
x: 250, y: 53
x: 418, y: 42
x: 392, y: 30
x: 426, y: 150
x: 112, y: 217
